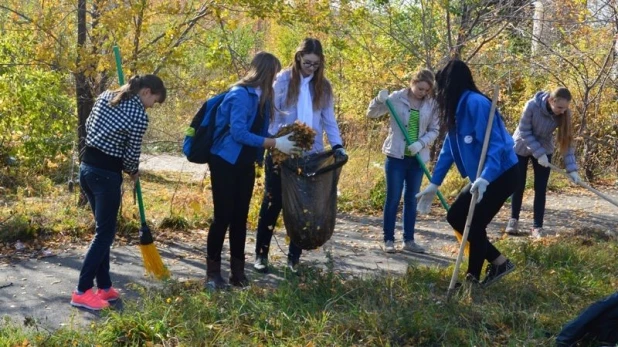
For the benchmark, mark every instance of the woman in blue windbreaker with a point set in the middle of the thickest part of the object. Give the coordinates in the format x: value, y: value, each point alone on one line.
x: 242, y: 119
x: 464, y: 110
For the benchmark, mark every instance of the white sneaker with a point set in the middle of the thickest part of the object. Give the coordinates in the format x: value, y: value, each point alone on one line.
x: 411, y: 246
x: 389, y: 246
x: 512, y: 227
x: 260, y: 264
x: 536, y: 233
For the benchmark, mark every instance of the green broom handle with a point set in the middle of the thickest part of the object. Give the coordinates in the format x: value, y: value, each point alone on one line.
x: 418, y: 157
x: 119, y: 65
x: 140, y: 201
x: 138, y: 186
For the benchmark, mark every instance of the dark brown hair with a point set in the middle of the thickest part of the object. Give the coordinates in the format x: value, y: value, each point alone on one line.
x: 323, y: 91
x: 137, y: 83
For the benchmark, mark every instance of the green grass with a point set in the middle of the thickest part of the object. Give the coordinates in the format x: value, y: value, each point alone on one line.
x: 554, y: 280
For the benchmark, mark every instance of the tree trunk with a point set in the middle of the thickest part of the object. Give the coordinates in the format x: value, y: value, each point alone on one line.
x: 83, y: 93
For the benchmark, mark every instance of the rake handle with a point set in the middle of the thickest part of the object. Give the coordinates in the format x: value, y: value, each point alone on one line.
x: 418, y: 157
x: 585, y: 185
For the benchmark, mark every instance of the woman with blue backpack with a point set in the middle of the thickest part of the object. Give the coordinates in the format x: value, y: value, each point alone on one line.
x: 302, y: 93
x: 241, y: 125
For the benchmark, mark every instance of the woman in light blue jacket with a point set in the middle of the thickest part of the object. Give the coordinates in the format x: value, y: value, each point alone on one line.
x: 534, y: 141
x: 464, y: 110
x: 416, y: 111
x: 302, y: 93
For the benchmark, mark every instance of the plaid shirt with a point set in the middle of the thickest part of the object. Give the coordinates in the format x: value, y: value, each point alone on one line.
x: 118, y: 131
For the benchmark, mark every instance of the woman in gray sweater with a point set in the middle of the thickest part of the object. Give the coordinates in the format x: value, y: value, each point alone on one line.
x: 534, y: 140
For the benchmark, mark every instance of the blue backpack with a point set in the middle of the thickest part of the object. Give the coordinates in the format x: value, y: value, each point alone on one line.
x: 200, y: 135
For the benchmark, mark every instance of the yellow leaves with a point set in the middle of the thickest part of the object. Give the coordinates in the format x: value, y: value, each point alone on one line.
x: 195, y: 206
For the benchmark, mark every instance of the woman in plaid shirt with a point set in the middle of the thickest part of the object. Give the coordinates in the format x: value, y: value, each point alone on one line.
x: 114, y: 132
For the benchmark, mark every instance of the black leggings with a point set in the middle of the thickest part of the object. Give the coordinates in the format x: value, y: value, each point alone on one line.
x: 232, y: 187
x: 541, y: 178
x: 496, y: 194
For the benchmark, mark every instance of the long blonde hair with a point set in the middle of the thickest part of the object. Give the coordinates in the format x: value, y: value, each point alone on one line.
x: 263, y: 69
x: 565, y: 126
x: 323, y: 91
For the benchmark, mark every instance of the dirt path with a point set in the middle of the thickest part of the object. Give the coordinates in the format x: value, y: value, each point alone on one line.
x: 41, y: 288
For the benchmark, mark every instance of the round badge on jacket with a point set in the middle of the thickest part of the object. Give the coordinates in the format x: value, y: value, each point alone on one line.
x: 468, y: 139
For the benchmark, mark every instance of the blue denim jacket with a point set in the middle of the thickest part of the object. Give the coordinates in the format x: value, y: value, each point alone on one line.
x: 463, y: 144
x: 234, y: 119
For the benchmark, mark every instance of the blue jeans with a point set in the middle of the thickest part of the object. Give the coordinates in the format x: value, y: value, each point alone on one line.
x: 102, y: 188
x: 541, y: 178
x: 401, y: 175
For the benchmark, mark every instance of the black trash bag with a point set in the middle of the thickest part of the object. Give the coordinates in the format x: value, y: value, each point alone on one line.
x: 597, y: 323
x: 309, y: 196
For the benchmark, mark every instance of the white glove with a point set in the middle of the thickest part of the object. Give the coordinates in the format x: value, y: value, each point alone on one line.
x: 575, y: 177
x: 479, y: 186
x: 383, y: 95
x: 426, y: 197
x: 415, y: 147
x: 543, y: 161
x: 285, y: 145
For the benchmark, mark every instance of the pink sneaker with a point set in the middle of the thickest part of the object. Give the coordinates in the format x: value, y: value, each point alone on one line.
x: 88, y: 300
x: 110, y: 294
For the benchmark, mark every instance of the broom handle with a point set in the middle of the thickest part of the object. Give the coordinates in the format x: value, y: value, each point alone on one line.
x: 118, y: 65
x: 409, y: 142
x: 138, y: 188
x: 464, y: 237
x: 585, y: 185
x: 140, y: 201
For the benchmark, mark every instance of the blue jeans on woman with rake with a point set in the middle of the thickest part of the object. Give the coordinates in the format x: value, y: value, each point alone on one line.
x: 402, y: 175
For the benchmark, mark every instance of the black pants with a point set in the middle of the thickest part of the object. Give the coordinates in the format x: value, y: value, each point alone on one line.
x: 541, y: 177
x: 496, y: 194
x: 232, y: 187
x: 269, y: 212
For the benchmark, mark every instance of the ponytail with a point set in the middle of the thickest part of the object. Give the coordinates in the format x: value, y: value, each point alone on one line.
x: 565, y: 126
x: 137, y: 83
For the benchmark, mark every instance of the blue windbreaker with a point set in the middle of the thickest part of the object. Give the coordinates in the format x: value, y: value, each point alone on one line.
x: 464, y: 143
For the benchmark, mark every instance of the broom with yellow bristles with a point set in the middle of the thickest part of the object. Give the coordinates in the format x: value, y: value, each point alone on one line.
x: 152, y: 260
x: 150, y: 255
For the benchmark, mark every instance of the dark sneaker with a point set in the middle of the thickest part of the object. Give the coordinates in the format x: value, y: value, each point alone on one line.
x: 215, y: 282
x: 469, y: 280
x: 260, y: 264
x: 496, y: 272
